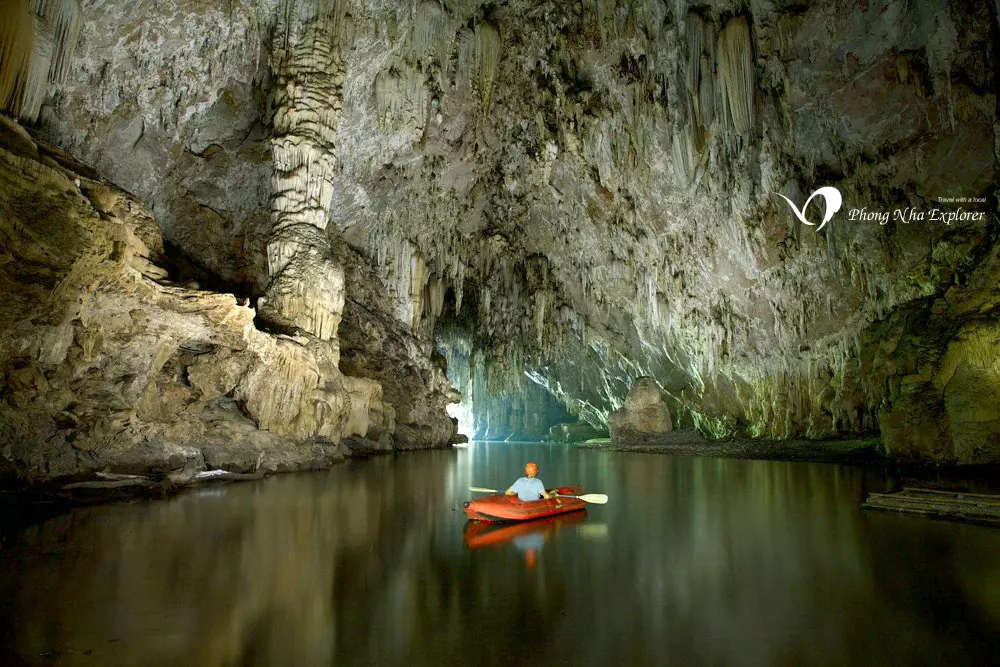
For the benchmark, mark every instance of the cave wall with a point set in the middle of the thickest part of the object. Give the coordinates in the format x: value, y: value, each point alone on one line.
x: 599, y: 177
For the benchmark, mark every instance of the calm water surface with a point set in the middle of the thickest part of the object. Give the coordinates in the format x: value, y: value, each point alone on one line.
x: 694, y: 561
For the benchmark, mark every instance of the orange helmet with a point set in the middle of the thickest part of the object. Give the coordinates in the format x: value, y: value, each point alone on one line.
x: 531, y: 468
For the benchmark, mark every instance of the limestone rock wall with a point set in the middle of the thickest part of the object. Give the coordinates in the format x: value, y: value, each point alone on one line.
x: 107, y: 365
x: 933, y: 373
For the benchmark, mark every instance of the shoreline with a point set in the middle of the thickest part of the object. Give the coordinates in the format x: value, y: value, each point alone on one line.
x: 683, y: 443
x: 25, y: 503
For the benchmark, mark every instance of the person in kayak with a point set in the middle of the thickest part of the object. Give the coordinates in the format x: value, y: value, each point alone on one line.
x: 530, y: 487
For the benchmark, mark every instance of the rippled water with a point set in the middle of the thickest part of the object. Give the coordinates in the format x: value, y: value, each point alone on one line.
x: 694, y: 561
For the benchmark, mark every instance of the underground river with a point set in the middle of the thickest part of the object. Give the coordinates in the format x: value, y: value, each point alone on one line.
x: 694, y: 561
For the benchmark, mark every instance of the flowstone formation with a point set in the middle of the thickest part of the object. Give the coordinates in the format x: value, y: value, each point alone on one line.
x: 587, y: 190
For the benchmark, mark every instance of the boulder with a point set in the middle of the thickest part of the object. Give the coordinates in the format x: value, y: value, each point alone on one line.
x: 645, y: 415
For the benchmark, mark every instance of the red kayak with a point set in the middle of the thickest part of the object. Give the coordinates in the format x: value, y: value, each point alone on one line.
x: 500, y: 507
x: 481, y: 534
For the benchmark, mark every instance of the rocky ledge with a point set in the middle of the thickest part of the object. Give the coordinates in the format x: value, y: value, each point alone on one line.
x: 109, y: 367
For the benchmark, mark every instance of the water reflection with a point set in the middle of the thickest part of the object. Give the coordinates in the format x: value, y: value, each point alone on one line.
x: 693, y: 561
x: 528, y: 537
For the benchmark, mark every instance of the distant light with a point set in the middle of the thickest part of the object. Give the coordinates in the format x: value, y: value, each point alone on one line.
x: 466, y: 421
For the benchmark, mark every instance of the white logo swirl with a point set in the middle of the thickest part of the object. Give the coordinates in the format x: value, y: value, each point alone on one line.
x: 833, y: 201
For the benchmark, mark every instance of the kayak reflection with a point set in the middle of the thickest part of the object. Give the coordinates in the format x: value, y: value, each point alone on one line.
x: 527, y: 537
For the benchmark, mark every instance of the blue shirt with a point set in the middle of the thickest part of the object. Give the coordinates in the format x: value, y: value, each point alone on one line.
x: 528, y: 488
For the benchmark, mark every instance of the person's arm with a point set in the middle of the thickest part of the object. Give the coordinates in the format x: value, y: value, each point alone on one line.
x: 545, y: 494
x: 510, y: 491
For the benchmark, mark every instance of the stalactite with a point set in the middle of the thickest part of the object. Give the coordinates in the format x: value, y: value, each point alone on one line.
x: 736, y: 73
x: 831, y: 250
x: 435, y: 294
x: 418, y: 278
x: 17, y: 37
x: 465, y: 66
x: 685, y: 152
x: 37, y: 82
x: 487, y: 60
x: 428, y: 29
x: 64, y: 18
x: 542, y: 299
x: 694, y: 30
x: 459, y: 287
x: 37, y: 41
x: 706, y: 93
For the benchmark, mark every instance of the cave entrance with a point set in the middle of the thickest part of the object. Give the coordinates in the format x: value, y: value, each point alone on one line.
x: 499, y: 401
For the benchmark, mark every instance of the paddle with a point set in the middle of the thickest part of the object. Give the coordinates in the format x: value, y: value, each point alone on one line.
x: 595, y: 498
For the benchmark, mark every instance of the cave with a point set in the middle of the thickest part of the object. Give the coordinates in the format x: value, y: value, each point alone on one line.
x: 246, y: 238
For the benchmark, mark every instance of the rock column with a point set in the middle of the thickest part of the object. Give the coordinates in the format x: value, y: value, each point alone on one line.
x: 306, y: 289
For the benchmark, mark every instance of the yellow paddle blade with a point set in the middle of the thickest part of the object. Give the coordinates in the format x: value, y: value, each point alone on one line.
x: 476, y: 489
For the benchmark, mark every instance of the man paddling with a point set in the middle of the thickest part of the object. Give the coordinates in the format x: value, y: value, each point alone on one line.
x: 530, y: 488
